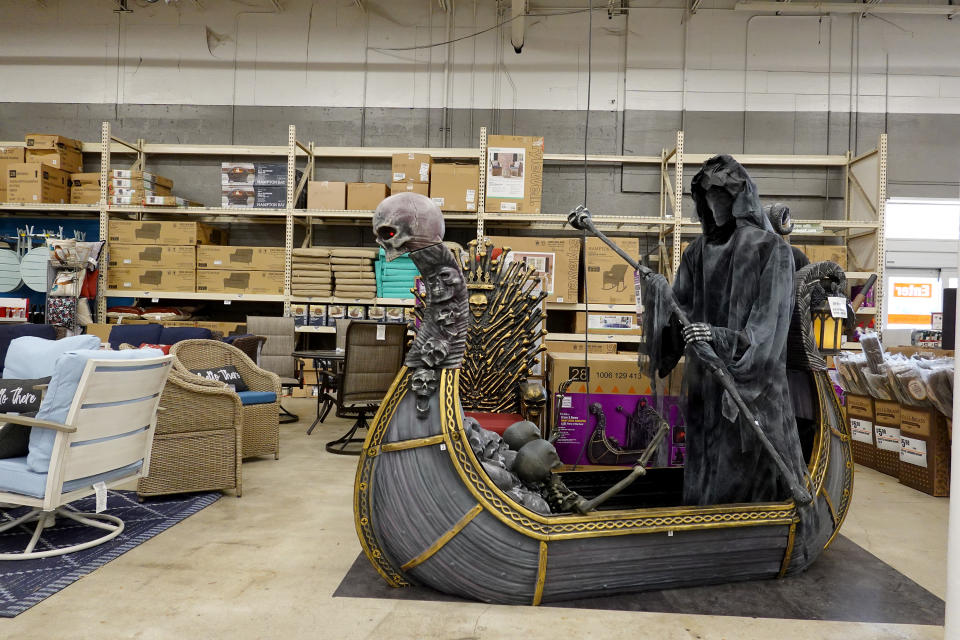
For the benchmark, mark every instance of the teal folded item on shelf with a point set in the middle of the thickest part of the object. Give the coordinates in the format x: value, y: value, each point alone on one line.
x: 394, y: 293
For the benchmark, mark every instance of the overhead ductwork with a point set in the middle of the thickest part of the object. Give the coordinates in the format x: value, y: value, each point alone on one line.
x: 518, y: 25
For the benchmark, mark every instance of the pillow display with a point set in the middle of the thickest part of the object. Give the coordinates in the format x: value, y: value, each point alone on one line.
x: 173, y: 335
x: 227, y: 373
x: 18, y: 396
x: 31, y: 357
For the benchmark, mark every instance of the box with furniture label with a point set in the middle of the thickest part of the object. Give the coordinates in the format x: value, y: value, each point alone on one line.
x: 924, y: 450
x: 36, y: 183
x: 151, y: 279
x: 860, y: 418
x: 164, y: 233
x: 557, y: 261
x: 514, y: 166
x: 63, y: 153
x: 252, y: 282
x: 609, y: 279
x: 240, y: 258
x: 151, y: 256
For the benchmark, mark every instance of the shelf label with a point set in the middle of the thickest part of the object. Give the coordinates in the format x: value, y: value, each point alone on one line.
x: 807, y: 228
x: 154, y: 300
x: 227, y: 301
x: 913, y: 451
x: 381, y: 332
x: 838, y: 306
x: 861, y: 430
x: 888, y: 438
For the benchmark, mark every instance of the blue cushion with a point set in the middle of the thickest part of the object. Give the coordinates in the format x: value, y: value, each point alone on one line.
x: 10, y: 332
x: 173, y: 335
x: 257, y: 397
x: 63, y: 387
x: 31, y: 357
x: 16, y: 477
x: 135, y: 334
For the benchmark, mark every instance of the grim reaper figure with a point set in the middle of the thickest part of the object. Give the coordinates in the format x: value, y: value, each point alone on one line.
x: 735, y: 283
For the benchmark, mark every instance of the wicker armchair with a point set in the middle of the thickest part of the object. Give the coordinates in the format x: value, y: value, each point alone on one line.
x: 261, y: 428
x: 195, y: 450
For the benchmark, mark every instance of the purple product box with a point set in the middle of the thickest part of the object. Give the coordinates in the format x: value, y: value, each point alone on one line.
x: 576, y: 424
x: 678, y: 456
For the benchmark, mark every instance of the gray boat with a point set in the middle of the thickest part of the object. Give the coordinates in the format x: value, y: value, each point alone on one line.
x: 427, y: 513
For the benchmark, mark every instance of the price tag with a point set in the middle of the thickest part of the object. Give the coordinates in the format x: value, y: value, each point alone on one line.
x: 381, y: 332
x: 154, y: 300
x: 838, y: 306
x: 100, y: 489
x: 227, y: 302
x: 936, y: 320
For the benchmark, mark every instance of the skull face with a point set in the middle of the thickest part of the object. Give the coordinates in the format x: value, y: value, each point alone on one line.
x: 478, y: 305
x: 424, y: 384
x: 407, y: 222
x: 447, y: 318
x: 441, y: 285
x: 433, y: 352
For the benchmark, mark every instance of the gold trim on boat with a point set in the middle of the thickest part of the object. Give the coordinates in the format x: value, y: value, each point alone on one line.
x: 541, y: 574
x: 788, y: 552
x: 847, y: 449
x: 605, y: 523
x: 833, y: 511
x: 443, y: 539
x: 361, y: 492
x: 412, y: 443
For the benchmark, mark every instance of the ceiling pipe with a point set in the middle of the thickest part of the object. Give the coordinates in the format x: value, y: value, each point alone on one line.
x: 517, y: 24
x: 827, y: 8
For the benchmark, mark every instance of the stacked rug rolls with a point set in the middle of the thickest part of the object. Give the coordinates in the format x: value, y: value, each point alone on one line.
x: 353, y: 274
x: 395, y: 279
x: 310, y: 273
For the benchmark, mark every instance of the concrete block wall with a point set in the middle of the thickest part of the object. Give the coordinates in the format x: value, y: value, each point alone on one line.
x: 221, y: 73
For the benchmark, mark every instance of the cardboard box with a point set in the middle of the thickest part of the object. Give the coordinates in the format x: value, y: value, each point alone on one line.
x: 253, y: 173
x: 63, y: 153
x: 860, y: 420
x: 242, y: 258
x: 454, y: 187
x: 151, y: 279
x: 324, y: 195
x: 100, y: 330
x: 411, y: 167
x: 556, y: 259
x: 608, y: 322
x: 33, y: 182
x: 166, y: 201
x: 8, y: 156
x: 151, y: 256
x: 413, y: 187
x: 115, y: 185
x: 609, y: 278
x: 886, y: 436
x: 618, y: 385
x: 826, y: 253
x: 563, y: 346
x: 226, y: 281
x: 84, y: 188
x: 364, y: 196
x: 924, y: 450
x: 514, y: 167
x: 164, y: 233
x: 257, y: 197
x: 143, y: 176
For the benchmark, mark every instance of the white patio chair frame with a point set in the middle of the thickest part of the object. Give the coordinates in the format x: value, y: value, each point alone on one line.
x: 115, y: 399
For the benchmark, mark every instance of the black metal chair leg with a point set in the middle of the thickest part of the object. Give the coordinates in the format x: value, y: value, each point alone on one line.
x: 339, y: 446
x: 286, y: 416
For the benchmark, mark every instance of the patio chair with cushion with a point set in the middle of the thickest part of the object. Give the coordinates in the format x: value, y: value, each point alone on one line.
x: 93, y: 430
x: 276, y: 354
x: 259, y: 390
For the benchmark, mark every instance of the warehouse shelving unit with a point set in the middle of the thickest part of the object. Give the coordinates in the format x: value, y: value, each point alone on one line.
x: 861, y: 228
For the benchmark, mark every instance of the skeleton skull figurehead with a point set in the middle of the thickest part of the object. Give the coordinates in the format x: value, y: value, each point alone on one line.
x: 478, y: 305
x: 406, y: 222
x: 424, y: 384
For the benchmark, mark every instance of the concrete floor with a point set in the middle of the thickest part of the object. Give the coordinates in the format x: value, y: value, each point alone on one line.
x: 265, y: 566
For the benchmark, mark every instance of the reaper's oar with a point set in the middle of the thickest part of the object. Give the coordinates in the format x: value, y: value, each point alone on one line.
x: 580, y: 219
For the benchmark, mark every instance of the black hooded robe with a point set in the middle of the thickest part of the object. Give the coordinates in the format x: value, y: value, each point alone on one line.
x: 738, y: 278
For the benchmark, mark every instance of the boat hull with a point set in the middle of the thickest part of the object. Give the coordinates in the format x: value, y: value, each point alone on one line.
x: 426, y: 513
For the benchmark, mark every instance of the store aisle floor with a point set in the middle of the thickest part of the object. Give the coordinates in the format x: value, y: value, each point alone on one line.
x: 266, y: 566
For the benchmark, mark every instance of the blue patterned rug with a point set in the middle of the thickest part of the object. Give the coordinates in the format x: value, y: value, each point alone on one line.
x: 24, y: 583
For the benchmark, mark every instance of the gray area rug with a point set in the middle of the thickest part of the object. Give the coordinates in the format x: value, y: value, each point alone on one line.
x: 846, y: 584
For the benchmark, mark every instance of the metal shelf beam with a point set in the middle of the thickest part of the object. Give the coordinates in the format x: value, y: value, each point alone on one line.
x: 188, y: 295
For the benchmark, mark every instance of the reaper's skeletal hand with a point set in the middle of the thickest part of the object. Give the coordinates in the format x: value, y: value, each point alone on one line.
x: 697, y: 332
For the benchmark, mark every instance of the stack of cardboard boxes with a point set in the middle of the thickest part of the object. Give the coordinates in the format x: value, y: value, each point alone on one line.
x: 141, y: 187
x: 228, y: 269
x: 255, y: 185
x: 336, y: 196
x: 39, y: 172
x: 156, y: 256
